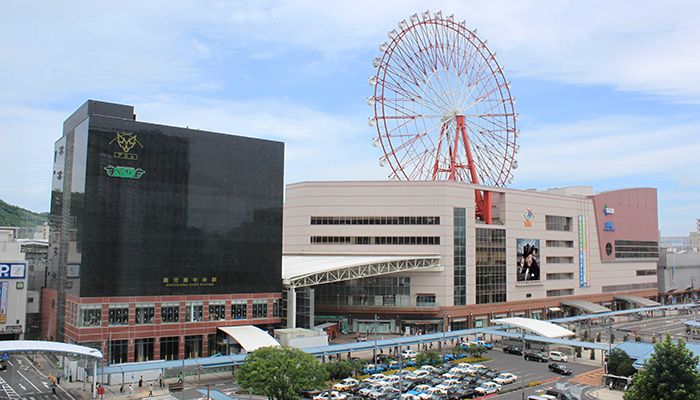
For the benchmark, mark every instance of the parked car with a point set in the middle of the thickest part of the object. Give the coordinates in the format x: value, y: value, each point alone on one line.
x: 334, y: 395
x: 490, y: 374
x: 374, y: 368
x: 560, y: 369
x: 409, y: 363
x: 408, y: 354
x: 418, y: 374
x: 364, y: 392
x: 539, y: 357
x: 448, y: 383
x: 3, y: 365
x: 505, y: 378
x: 488, y: 346
x: 361, y: 338
x: 558, y: 394
x: 383, y: 391
x: 488, y: 388
x: 428, y: 368
x: 448, y: 357
x: 462, y: 392
x: 374, y: 378
x: 513, y: 350
x: 410, y: 395
x: 346, y: 384
x: 558, y: 356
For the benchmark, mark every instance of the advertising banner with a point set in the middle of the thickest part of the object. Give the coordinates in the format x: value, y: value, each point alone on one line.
x: 583, y: 251
x: 4, y: 286
x: 528, y: 266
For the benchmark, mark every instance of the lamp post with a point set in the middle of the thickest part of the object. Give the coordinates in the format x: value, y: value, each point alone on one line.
x: 522, y: 375
x: 375, y: 338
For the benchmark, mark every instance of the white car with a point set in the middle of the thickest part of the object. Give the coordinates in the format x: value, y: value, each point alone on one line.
x: 374, y: 378
x: 335, y: 395
x: 374, y: 387
x: 384, y: 390
x: 417, y: 374
x: 488, y: 388
x: 558, y: 356
x: 428, y: 368
x: 421, y: 388
x: 392, y: 379
x: 448, y: 383
x: 474, y: 369
x: 505, y: 378
x: 346, y: 384
x: 408, y: 354
x: 432, y: 392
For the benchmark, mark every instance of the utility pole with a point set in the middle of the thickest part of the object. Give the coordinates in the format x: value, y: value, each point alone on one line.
x: 522, y: 377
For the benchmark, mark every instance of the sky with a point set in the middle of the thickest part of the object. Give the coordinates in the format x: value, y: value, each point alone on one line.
x: 608, y: 93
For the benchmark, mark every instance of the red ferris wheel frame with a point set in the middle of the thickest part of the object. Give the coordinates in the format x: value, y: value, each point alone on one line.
x: 442, y: 107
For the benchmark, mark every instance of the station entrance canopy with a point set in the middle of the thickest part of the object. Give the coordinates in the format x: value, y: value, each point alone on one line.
x: 249, y: 337
x: 640, y: 301
x: 38, y: 346
x: 303, y: 271
x: 542, y: 328
x: 586, y: 306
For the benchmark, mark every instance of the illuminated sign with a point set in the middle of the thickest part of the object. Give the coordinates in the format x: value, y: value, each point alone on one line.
x: 12, y: 271
x: 124, y: 172
x: 583, y: 252
x: 187, y: 281
x: 528, y: 215
x: 608, y: 210
x: 609, y: 226
x: 126, y: 141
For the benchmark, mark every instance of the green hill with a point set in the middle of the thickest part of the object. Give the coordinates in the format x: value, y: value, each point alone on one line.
x: 15, y: 216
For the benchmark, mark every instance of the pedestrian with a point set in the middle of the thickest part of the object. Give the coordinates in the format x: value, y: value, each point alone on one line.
x: 131, y: 390
x: 141, y: 381
x: 70, y: 376
x: 58, y: 378
x: 53, y: 388
x: 160, y: 380
x: 150, y: 389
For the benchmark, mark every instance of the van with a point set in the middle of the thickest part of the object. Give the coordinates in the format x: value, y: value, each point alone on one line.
x: 541, y: 397
x: 558, y: 356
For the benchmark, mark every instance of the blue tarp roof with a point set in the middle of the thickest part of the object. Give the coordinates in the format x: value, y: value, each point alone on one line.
x: 642, y: 351
x: 542, y: 339
x: 620, y: 312
x: 692, y: 324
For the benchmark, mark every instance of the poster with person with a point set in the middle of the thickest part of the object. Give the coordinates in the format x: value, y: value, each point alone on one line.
x: 528, y: 266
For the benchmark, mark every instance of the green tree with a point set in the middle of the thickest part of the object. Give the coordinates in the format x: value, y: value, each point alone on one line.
x: 476, y: 350
x: 343, y: 368
x: 669, y: 374
x: 281, y: 372
x: 620, y: 364
x: 429, y: 358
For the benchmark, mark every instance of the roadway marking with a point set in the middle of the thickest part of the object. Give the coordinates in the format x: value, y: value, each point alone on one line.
x: 10, y: 362
x: 22, y: 386
x: 30, y: 382
x: 9, y: 391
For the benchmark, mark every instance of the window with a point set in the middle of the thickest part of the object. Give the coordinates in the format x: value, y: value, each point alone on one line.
x: 560, y: 292
x: 90, y: 315
x: 217, y: 310
x: 490, y: 265
x: 143, y: 350
x: 170, y: 313
x: 636, y: 249
x: 145, y: 313
x: 260, y: 309
x: 558, y: 276
x: 370, y: 291
x: 118, y: 351
x: 630, y: 286
x: 169, y: 347
x: 557, y: 223
x: 460, y: 256
x: 193, y: 346
x: 377, y: 240
x: 646, y: 272
x: 425, y: 300
x: 608, y: 248
x: 276, y: 312
x: 119, y: 314
x: 194, y: 312
x: 560, y: 243
x: 375, y: 220
x: 239, y: 309
x: 560, y: 260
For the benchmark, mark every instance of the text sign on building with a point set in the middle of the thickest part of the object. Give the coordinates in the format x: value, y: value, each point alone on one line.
x: 528, y: 217
x: 4, y: 286
x: 608, y: 210
x: 609, y: 226
x: 12, y: 271
x: 583, y: 251
x: 126, y: 142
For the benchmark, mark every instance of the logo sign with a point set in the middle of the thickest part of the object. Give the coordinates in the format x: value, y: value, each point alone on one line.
x: 124, y: 172
x: 529, y: 216
x: 4, y: 286
x: 609, y: 226
x: 608, y: 210
x: 12, y: 271
x: 127, y: 142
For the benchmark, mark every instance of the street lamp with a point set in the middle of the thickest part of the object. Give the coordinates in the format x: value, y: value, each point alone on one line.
x: 522, y: 375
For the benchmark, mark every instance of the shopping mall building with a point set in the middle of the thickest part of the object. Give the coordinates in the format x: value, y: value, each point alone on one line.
x: 406, y: 257
x: 160, y: 236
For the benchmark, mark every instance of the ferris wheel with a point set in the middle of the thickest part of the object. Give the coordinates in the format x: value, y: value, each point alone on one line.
x: 442, y: 106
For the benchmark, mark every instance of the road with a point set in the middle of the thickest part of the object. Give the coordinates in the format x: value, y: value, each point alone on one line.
x: 22, y: 380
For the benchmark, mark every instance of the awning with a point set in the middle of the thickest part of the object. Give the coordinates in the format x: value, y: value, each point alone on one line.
x: 542, y: 328
x: 586, y: 306
x: 249, y: 337
x: 40, y: 346
x: 554, y: 309
x: 692, y: 324
x: 637, y: 300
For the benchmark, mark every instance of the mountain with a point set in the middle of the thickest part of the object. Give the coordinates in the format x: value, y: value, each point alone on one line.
x: 16, y: 216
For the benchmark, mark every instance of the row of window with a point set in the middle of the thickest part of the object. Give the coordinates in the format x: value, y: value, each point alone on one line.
x: 143, y: 349
x: 646, y: 272
x: 416, y: 240
x: 375, y: 220
x: 425, y: 300
x: 91, y: 315
x: 560, y: 276
x: 630, y: 286
x: 560, y: 243
x: 560, y: 260
x: 560, y: 292
x: 558, y: 223
x: 636, y: 249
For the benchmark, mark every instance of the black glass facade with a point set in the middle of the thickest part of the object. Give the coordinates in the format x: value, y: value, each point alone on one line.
x: 160, y: 210
x: 490, y: 265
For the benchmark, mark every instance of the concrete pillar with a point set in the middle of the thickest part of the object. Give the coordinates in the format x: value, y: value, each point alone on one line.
x: 94, y: 378
x: 312, y: 309
x: 291, y: 308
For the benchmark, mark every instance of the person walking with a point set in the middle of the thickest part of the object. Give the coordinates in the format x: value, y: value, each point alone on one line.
x: 141, y: 381
x: 160, y: 380
x: 70, y: 376
x: 150, y: 389
x: 53, y: 387
x: 58, y: 378
x: 131, y: 391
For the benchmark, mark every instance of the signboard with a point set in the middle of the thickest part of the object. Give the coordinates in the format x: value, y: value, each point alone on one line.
x: 528, y: 217
x: 4, y: 286
x: 583, y: 252
x: 73, y: 271
x: 126, y: 142
x: 528, y: 267
x: 13, y: 270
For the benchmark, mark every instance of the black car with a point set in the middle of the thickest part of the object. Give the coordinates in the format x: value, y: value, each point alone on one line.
x: 560, y: 369
x: 3, y: 365
x: 539, y: 357
x: 490, y: 374
x: 462, y: 393
x: 513, y: 350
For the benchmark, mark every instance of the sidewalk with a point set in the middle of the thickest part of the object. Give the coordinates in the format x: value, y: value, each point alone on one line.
x: 606, y: 394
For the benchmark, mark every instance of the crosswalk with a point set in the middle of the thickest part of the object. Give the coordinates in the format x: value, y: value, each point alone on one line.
x: 10, y: 392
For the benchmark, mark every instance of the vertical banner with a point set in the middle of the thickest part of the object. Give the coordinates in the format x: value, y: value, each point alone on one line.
x: 582, y: 252
x: 4, y: 286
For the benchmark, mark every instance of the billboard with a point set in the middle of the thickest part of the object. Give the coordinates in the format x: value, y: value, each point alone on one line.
x: 4, y: 286
x: 13, y: 270
x: 528, y: 263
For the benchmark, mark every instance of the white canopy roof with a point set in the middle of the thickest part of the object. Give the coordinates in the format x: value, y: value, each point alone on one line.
x: 40, y: 346
x: 309, y: 270
x: 542, y: 328
x: 637, y: 300
x: 249, y: 337
x: 586, y: 306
